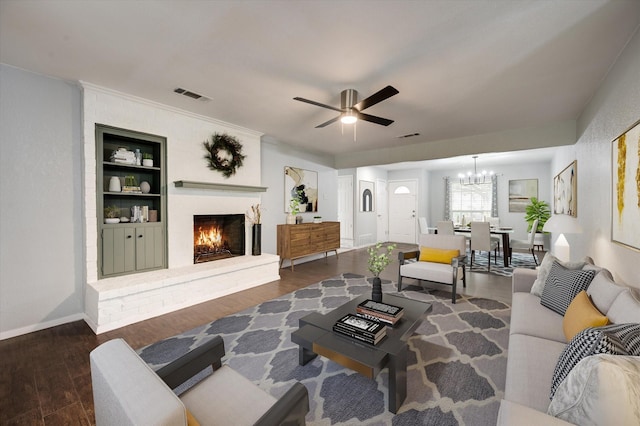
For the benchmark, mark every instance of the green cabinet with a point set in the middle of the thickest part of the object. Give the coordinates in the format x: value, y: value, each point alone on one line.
x: 135, y: 240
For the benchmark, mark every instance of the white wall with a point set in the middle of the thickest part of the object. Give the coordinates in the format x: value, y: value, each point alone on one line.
x: 41, y: 244
x: 274, y: 159
x: 613, y: 109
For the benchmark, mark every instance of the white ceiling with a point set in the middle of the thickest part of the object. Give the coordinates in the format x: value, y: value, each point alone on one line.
x: 462, y: 67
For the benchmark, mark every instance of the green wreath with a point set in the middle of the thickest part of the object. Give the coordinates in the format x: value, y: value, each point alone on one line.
x: 227, y: 164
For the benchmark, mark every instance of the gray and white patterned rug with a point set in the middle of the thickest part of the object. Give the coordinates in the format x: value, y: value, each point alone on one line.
x: 456, y: 368
x: 518, y: 260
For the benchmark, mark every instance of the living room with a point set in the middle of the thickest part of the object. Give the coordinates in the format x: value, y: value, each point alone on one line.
x: 46, y: 166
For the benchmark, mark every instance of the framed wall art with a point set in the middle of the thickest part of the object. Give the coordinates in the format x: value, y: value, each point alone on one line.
x: 565, y: 191
x: 521, y: 191
x: 625, y: 188
x: 303, y: 184
x: 367, y: 190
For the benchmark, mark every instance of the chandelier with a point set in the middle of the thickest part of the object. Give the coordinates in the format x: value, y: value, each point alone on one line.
x: 476, y: 177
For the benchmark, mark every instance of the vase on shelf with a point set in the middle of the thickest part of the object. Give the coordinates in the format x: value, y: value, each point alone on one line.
x: 376, y: 293
x: 256, y: 247
x: 291, y: 219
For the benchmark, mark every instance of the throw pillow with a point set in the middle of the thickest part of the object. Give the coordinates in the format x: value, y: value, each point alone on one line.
x: 581, y: 314
x: 615, y: 339
x: 625, y: 307
x: 562, y: 286
x: 603, y: 291
x: 545, y: 268
x: 429, y: 254
x: 601, y: 389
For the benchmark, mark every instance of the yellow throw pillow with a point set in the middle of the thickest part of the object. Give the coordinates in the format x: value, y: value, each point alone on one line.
x: 428, y: 254
x: 192, y: 421
x: 581, y: 314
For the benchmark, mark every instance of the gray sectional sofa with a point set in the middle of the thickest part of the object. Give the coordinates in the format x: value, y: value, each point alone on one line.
x: 537, y: 341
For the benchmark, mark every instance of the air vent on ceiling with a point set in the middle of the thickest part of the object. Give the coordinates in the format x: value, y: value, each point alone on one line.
x: 409, y: 135
x: 190, y: 94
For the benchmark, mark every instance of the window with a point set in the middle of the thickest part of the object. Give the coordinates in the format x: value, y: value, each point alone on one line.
x: 469, y: 203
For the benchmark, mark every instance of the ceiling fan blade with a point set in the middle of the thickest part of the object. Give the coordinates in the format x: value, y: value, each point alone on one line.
x: 326, y: 123
x: 317, y: 104
x: 374, y: 119
x: 377, y: 97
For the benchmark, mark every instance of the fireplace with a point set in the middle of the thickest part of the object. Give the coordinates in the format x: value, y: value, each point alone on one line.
x: 217, y: 237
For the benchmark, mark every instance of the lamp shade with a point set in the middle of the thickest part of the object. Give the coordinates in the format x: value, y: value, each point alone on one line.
x: 562, y: 223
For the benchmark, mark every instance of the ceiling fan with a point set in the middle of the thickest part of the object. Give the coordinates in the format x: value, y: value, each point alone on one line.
x: 351, y: 110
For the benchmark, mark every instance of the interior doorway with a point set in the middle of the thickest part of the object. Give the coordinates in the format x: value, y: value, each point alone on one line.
x: 345, y: 210
x: 382, y: 211
x: 402, y: 211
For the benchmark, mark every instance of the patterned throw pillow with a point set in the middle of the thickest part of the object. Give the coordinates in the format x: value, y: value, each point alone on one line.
x: 562, y: 286
x: 615, y: 339
x: 545, y: 268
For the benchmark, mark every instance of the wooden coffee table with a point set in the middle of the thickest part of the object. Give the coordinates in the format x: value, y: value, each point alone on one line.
x: 315, y: 337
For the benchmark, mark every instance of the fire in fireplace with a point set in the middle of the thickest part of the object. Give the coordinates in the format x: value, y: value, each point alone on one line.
x: 217, y: 237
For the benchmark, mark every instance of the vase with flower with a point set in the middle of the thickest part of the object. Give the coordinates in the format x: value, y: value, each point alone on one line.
x: 378, y: 260
x: 254, y: 217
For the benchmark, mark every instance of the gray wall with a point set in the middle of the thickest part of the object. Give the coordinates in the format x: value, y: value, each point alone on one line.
x: 41, y: 233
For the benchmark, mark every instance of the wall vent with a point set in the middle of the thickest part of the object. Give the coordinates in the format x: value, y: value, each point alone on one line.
x: 190, y: 94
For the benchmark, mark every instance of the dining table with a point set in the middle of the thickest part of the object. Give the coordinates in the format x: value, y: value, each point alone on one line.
x: 502, y: 231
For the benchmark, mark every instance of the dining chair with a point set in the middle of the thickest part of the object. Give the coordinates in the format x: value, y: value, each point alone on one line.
x: 481, y: 241
x: 445, y: 227
x: 526, y: 244
x: 494, y: 222
x: 422, y: 221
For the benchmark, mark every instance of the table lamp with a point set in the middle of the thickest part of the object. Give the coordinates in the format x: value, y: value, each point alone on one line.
x: 562, y: 224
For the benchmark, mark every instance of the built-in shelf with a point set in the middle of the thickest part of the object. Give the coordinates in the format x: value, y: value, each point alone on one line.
x: 218, y: 186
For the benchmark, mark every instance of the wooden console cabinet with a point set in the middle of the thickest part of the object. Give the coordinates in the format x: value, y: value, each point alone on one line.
x: 304, y: 239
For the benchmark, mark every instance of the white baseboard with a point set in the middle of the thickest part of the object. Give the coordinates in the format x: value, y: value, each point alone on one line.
x: 40, y: 326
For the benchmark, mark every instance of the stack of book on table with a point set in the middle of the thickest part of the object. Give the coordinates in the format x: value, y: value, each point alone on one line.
x: 384, y: 312
x: 363, y: 329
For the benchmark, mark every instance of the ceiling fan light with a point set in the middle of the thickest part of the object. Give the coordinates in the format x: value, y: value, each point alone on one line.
x: 348, y: 118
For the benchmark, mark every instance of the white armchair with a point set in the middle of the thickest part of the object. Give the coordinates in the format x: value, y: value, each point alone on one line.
x: 440, y: 259
x: 126, y: 391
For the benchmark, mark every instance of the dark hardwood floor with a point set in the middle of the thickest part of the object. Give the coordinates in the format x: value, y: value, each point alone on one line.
x: 45, y: 376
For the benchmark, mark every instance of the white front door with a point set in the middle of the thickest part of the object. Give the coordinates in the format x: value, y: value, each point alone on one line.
x: 345, y: 210
x: 382, y: 219
x: 402, y: 211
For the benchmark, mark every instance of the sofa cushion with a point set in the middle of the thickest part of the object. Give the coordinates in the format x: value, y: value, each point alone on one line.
x: 529, y: 317
x: 600, y: 390
x: 529, y: 370
x: 625, y: 308
x: 545, y: 268
x: 438, y: 272
x: 562, y: 285
x: 430, y: 254
x: 615, y: 339
x: 603, y: 291
x: 581, y: 314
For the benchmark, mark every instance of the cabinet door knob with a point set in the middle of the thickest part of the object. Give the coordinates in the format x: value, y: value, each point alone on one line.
x: 129, y: 236
x: 139, y: 236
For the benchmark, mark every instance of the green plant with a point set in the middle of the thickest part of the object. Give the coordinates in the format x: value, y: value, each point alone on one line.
x: 147, y: 156
x: 294, y: 204
x: 112, y: 212
x: 379, y: 260
x: 537, y: 209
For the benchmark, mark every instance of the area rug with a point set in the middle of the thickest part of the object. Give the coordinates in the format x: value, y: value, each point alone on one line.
x: 518, y: 260
x: 456, y: 367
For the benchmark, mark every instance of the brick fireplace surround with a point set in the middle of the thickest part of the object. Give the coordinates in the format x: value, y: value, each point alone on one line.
x: 111, y: 303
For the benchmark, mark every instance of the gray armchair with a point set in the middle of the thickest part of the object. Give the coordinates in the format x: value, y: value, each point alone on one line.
x: 126, y: 391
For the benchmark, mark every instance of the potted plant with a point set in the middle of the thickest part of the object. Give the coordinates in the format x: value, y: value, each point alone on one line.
x: 112, y: 214
x: 378, y: 260
x: 254, y: 217
x: 294, y: 208
x: 317, y: 219
x: 147, y: 159
x: 537, y: 209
